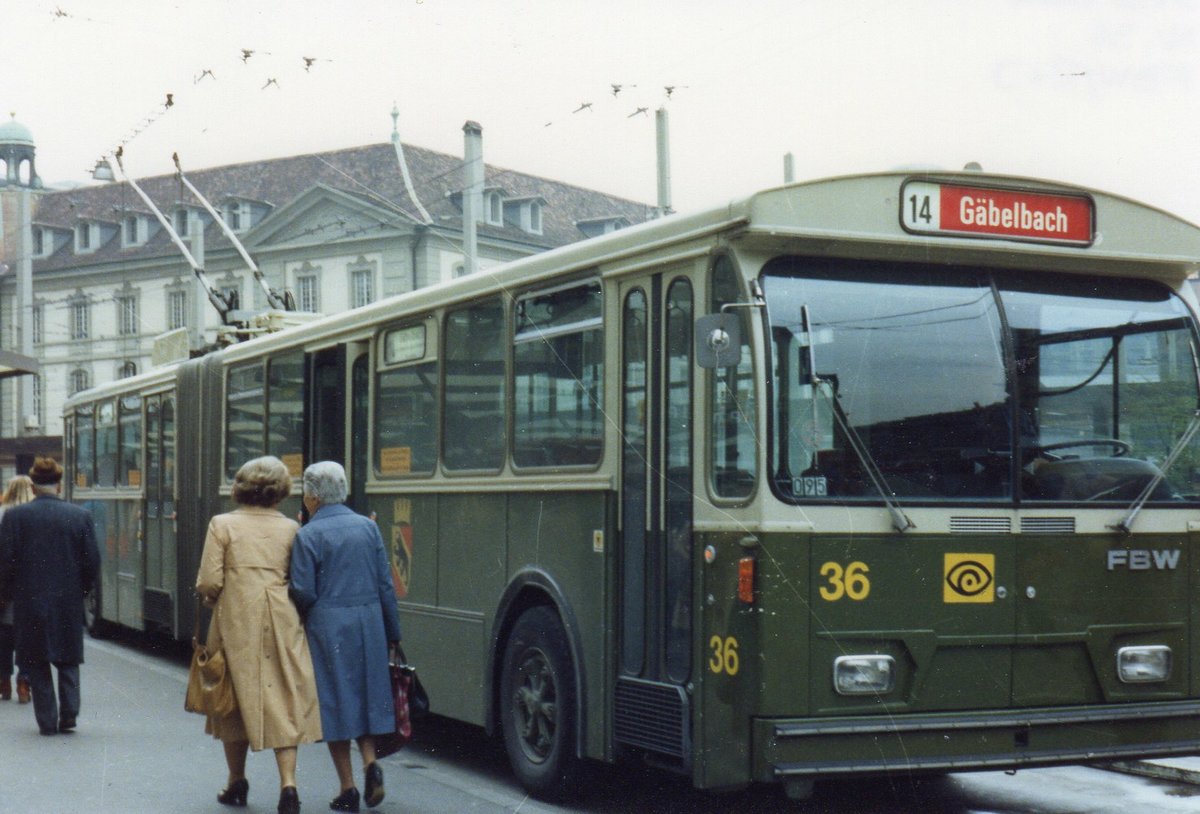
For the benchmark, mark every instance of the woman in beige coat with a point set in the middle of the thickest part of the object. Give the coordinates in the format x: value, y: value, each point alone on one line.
x: 243, y: 577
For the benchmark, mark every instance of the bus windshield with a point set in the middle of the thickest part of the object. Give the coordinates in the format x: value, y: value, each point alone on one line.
x: 935, y: 383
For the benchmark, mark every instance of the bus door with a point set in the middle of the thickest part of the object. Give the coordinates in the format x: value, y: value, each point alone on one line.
x: 337, y: 414
x: 651, y: 706
x: 161, y: 555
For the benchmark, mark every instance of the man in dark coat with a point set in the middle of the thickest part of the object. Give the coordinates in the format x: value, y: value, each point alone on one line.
x: 48, y: 561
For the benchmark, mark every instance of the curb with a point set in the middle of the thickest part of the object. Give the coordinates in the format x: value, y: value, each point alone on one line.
x: 1158, y: 771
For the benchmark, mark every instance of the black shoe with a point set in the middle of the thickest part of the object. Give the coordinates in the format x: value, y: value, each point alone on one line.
x: 289, y: 801
x: 48, y: 731
x: 235, y: 793
x: 66, y: 724
x: 346, y: 801
x: 373, y: 788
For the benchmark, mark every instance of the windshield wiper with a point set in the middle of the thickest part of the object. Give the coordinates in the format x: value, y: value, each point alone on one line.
x: 900, y: 520
x: 1126, y: 523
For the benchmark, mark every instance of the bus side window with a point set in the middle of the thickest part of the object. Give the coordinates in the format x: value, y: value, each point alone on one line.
x: 732, y: 405
x: 245, y: 415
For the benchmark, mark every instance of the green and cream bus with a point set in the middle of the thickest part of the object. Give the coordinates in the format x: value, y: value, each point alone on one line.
x: 870, y: 474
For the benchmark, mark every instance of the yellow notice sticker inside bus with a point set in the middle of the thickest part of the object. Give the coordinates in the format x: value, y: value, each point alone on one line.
x: 969, y: 578
x: 395, y: 461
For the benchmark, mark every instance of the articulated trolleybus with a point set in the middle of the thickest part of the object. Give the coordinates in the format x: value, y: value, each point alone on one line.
x: 875, y: 474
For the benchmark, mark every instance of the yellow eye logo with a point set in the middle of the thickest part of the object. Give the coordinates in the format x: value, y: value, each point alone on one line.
x: 969, y: 578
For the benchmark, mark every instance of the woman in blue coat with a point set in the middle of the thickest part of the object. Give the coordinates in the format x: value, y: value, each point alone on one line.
x: 342, y: 585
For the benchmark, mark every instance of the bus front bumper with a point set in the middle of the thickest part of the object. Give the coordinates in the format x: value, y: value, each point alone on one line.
x: 952, y: 742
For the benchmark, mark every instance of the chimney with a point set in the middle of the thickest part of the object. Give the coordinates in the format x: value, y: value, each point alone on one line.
x: 789, y: 168
x: 664, y: 162
x: 472, y: 199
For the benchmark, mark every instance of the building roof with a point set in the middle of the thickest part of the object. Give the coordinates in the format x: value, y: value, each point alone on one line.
x: 13, y: 132
x: 370, y: 173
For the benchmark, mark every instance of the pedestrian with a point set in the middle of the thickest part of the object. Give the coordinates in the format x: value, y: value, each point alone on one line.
x: 18, y: 491
x: 343, y: 585
x: 48, y: 562
x: 243, y: 577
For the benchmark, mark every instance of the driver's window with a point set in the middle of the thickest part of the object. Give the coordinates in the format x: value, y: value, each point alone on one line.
x: 1075, y: 403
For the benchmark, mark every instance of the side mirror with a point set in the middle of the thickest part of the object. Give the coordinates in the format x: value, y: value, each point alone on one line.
x: 718, y: 340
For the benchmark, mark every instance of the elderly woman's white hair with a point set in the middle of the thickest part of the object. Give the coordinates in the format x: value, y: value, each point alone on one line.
x: 326, y: 481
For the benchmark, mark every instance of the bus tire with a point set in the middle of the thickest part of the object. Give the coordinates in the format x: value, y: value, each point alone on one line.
x: 97, y: 628
x: 537, y: 706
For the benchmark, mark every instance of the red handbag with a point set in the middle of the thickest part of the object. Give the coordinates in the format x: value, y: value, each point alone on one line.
x: 408, y: 695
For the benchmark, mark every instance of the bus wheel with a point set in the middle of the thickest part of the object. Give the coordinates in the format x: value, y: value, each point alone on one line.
x: 537, y: 706
x: 92, y: 620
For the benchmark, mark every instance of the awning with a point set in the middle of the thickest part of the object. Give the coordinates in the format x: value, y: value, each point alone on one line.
x: 14, y: 364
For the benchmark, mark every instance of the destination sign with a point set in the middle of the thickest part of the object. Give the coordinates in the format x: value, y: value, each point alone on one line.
x: 927, y: 207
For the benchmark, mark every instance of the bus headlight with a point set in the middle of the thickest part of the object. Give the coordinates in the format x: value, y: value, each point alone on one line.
x: 1138, y: 665
x: 864, y: 675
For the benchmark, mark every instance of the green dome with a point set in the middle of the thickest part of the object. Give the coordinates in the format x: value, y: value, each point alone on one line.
x: 13, y: 132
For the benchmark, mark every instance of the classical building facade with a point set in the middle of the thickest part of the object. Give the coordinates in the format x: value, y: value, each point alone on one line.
x: 91, y: 284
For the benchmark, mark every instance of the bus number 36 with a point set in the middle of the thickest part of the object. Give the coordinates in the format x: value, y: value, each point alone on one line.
x: 724, y: 655
x: 850, y: 581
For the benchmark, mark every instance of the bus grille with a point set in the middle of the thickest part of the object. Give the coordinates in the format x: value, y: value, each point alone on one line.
x: 1048, y: 525
x: 980, y: 525
x: 651, y: 716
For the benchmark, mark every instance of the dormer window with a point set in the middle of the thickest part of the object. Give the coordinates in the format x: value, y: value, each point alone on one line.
x: 236, y: 215
x: 134, y: 231
x: 535, y: 217
x: 39, y: 242
x: 495, y: 209
x: 181, y: 220
x: 594, y: 227
x: 525, y: 213
x: 83, y: 238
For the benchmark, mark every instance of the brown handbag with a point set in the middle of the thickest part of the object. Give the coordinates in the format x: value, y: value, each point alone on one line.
x: 210, y: 687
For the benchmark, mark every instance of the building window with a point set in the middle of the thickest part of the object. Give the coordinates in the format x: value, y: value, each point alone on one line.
x: 495, y: 214
x: 128, y: 369
x: 362, y: 285
x: 232, y: 295
x: 81, y: 320
x: 131, y: 232
x: 306, y: 293
x: 39, y: 312
x: 535, y: 218
x: 39, y: 242
x: 180, y: 221
x: 79, y: 380
x: 127, y: 315
x: 233, y: 216
x: 83, y: 237
x: 176, y: 310
x: 37, y: 407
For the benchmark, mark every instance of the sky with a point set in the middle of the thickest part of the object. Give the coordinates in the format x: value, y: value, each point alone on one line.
x: 1098, y: 93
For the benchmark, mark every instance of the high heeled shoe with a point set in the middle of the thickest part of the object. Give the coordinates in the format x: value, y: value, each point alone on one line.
x: 289, y: 801
x: 235, y: 793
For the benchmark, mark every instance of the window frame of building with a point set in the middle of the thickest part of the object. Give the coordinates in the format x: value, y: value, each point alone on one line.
x: 39, y: 242
x: 38, y: 323
x: 128, y: 368
x: 308, y: 292
x: 133, y: 231
x: 83, y: 238
x: 495, y: 209
x: 38, y: 406
x: 127, y: 315
x: 79, y: 380
x: 181, y: 220
x: 357, y: 278
x: 81, y: 319
x: 535, y: 218
x: 177, y: 309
